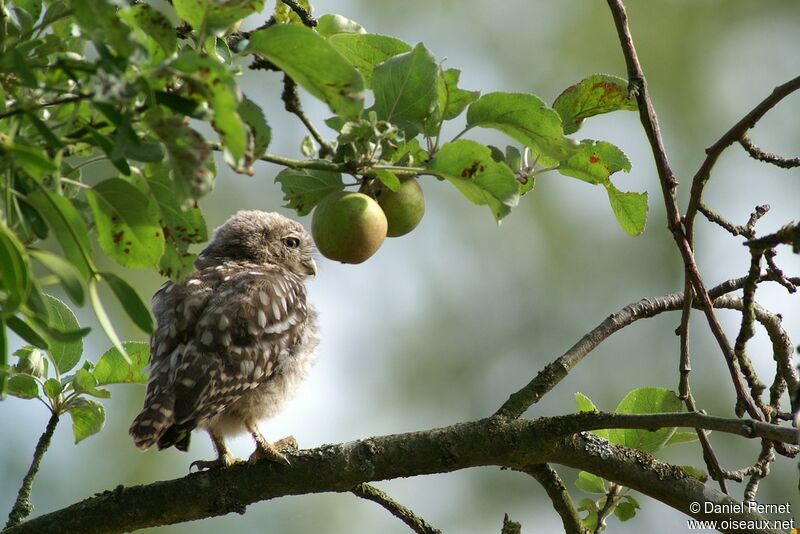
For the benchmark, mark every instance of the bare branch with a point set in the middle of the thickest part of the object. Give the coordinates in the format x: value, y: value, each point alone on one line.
x: 22, y: 506
x: 768, y: 157
x: 669, y: 185
x: 406, y: 515
x: 558, y: 369
x: 736, y: 132
x: 560, y: 497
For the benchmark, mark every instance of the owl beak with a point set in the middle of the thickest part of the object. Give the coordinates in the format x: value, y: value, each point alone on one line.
x: 310, y: 267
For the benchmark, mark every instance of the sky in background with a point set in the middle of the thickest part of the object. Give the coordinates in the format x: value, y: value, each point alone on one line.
x: 440, y: 326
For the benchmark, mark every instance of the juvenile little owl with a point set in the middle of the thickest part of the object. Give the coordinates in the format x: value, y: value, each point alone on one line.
x: 233, y: 340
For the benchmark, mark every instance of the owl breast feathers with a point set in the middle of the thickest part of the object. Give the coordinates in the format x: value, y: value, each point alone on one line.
x: 234, y: 339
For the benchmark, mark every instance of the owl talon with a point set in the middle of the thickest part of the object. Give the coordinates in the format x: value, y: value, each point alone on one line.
x: 271, y: 453
x: 223, y: 461
x: 289, y: 443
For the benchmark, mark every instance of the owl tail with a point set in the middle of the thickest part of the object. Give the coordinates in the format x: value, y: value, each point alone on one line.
x: 156, y: 417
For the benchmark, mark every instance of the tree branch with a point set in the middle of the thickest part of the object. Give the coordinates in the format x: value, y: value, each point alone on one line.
x: 768, y: 157
x: 560, y: 497
x: 735, y: 133
x: 515, y: 444
x: 558, y: 369
x: 22, y: 506
x: 404, y: 514
x: 669, y: 184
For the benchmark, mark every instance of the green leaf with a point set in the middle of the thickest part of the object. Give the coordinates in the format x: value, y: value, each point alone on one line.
x: 214, y: 16
x: 590, y: 483
x: 260, y: 132
x: 469, y: 166
x: 365, y: 51
x: 32, y: 159
x: 26, y: 332
x: 585, y: 404
x: 599, y: 93
x: 594, y: 161
x: 99, y: 22
x: 181, y: 227
x: 112, y: 368
x: 314, y: 64
x: 131, y: 301
x: 22, y: 386
x: 219, y: 87
x: 453, y: 100
x: 85, y: 382
x: 68, y: 226
x: 66, y: 273
x: 590, y: 521
x: 682, y: 437
x: 697, y: 473
x: 626, y: 509
x: 405, y: 89
x: 643, y: 401
x: 524, y: 117
x: 330, y: 24
x: 305, y: 188
x: 192, y: 11
x: 64, y: 354
x: 629, y: 208
x: 102, y: 316
x: 388, y: 178
x: 192, y: 161
x: 88, y: 418
x: 127, y: 223
x: 15, y: 276
x: 156, y: 25
x: 53, y: 388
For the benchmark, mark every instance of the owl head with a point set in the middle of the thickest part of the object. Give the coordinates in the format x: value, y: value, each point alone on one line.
x: 261, y: 237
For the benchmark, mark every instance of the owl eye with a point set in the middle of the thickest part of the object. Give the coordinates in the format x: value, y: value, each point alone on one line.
x: 291, y: 242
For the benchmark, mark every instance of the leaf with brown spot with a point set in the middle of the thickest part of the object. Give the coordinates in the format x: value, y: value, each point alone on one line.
x: 597, y: 94
x: 123, y: 213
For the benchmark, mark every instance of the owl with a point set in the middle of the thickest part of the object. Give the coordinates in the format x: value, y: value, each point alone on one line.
x: 233, y: 341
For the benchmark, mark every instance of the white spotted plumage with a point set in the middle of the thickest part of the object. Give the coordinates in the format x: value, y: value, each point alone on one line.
x: 233, y: 340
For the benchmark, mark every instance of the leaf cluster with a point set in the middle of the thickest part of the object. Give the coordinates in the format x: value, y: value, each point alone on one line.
x: 615, y: 498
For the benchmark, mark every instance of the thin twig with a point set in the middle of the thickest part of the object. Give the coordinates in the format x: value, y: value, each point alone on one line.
x: 768, y: 157
x: 301, y: 12
x: 709, y: 455
x: 404, y: 514
x: 669, y: 185
x: 747, y: 230
x: 56, y: 102
x: 510, y: 527
x: 559, y: 496
x: 760, y: 470
x: 735, y: 133
x: 23, y: 506
x: 747, y: 329
x: 611, y: 498
x: 788, y: 235
x: 558, y: 369
x: 291, y: 101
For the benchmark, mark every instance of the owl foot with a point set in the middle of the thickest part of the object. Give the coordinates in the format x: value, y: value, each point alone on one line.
x: 272, y: 451
x: 224, y: 460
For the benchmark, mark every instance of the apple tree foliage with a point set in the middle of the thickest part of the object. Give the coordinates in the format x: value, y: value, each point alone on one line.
x: 88, y: 81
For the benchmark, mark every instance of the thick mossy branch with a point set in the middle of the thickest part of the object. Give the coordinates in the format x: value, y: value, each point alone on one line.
x: 514, y: 444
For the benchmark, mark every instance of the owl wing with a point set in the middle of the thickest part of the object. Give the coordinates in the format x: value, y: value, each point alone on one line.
x: 232, y: 330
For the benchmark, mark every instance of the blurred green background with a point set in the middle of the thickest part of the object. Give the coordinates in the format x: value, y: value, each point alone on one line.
x: 441, y: 325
